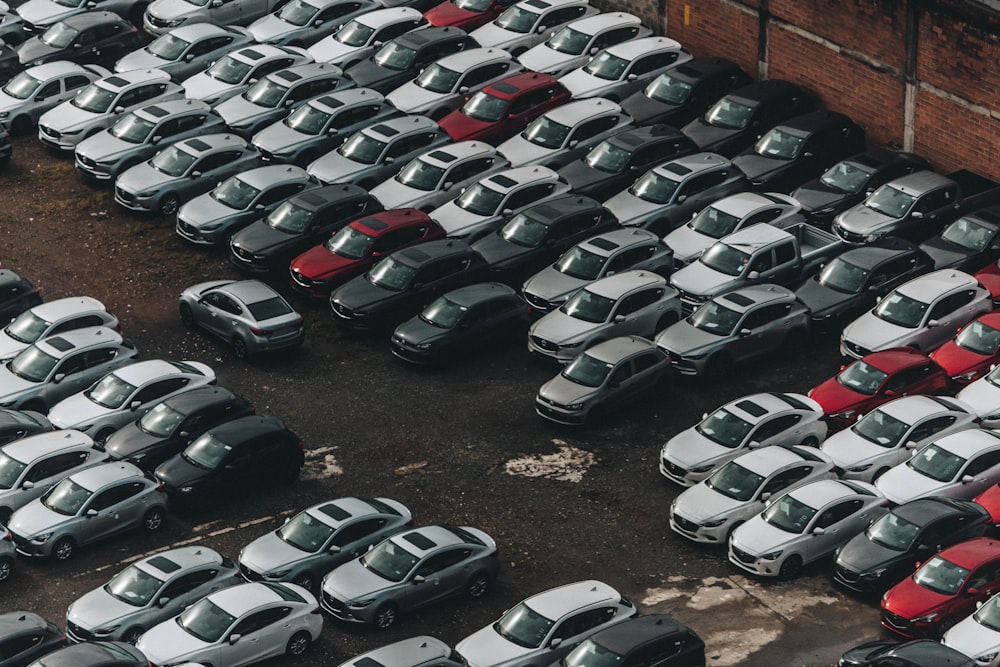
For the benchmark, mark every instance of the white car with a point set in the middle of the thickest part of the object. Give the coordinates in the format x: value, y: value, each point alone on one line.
x: 712, y: 509
x: 237, y: 626
x: 234, y: 72
x: 622, y: 69
x: 804, y: 525
x: 755, y: 421
x: 542, y: 629
x: 978, y: 635
x: 164, y: 15
x: 574, y: 44
x: 961, y: 465
x: 922, y: 313
x: 51, y: 318
x: 887, y: 435
x: 525, y: 24
x: 302, y: 22
x: 37, y: 89
x: 356, y: 39
x: 983, y: 397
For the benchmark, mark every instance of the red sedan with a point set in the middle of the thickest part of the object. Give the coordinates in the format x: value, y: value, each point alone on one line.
x: 990, y: 499
x: 874, y: 379
x: 350, y: 251
x: 944, y: 590
x: 502, y: 109
x: 969, y: 355
x: 466, y: 14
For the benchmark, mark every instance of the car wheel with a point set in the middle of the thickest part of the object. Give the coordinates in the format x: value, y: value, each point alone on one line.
x: 478, y: 584
x: 240, y: 347
x: 35, y: 406
x: 64, y: 548
x: 385, y: 616
x: 187, y: 316
x: 732, y: 529
x: 6, y: 568
x: 298, y: 644
x: 102, y: 436
x: 21, y: 125
x: 791, y: 567
x: 291, y: 473
x: 153, y: 519
x: 131, y: 636
x: 811, y: 441
x: 306, y: 581
x: 665, y: 321
x: 880, y: 472
x: 5, y: 513
x: 718, y: 366
x: 169, y: 204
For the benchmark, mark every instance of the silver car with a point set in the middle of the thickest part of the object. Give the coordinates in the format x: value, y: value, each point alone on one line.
x: 574, y: 44
x: 527, y: 23
x: 88, y: 506
x: 236, y: 71
x: 248, y: 315
x: 37, y: 89
x: 186, y: 50
x: 626, y: 68
x: 320, y: 538
x: 304, y: 22
x: 147, y: 592
x: 51, y: 318
x: 356, y: 40
x: 422, y: 651
x: 164, y: 15
x: 38, y: 15
x: 983, y: 398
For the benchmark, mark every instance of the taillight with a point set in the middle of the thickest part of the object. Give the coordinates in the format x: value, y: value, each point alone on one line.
x: 161, y: 487
x: 258, y: 332
x: 7, y: 537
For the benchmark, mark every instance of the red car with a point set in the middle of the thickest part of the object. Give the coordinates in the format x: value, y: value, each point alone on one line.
x: 502, y: 109
x: 874, y: 379
x: 350, y: 251
x: 466, y: 14
x: 944, y: 590
x: 969, y: 355
x: 990, y: 499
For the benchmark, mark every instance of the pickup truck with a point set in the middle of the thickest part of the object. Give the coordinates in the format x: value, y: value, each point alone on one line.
x: 759, y: 253
x: 915, y: 206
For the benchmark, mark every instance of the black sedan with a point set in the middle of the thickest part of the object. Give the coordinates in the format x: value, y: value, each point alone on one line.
x: 917, y: 653
x: 883, y: 555
x: 653, y: 639
x: 97, y: 654
x: 25, y: 637
x: 17, y: 424
x: 968, y: 244
x: 403, y: 58
x: 90, y: 38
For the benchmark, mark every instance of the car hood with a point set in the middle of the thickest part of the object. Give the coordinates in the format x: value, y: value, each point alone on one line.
x: 359, y: 294
x: 178, y: 472
x: 203, y: 87
x: 269, y: 552
x: 278, y: 136
x: 565, y: 391
x: 981, y: 396
x: 411, y: 98
x: 259, y: 236
x: 911, y: 600
x: 10, y: 347
x: 140, y: 59
x: 205, y: 210
x: 67, y: 117
x: 687, y: 244
x: 697, y: 278
x: 353, y: 580
x: 902, y: 483
x: 580, y: 176
x: 76, y: 409
x: 690, y: 449
x: 462, y: 128
x: 238, y: 108
x: 369, y: 75
x: 862, y: 555
x: 955, y: 359
x: 944, y: 254
x: 580, y: 84
x: 97, y: 609
x: 329, y: 50
x: 8, y: 103
x: 103, y: 145
x: 627, y: 207
x: 862, y: 220
x: 757, y: 167
x: 821, y: 299
x: 559, y: 327
x: 491, y: 35
x: 486, y: 647
x: 35, y: 49
x: 519, y: 151
x: 143, y: 177
x: 335, y: 168
x: 683, y: 338
x: 709, y: 137
x: 318, y: 263
x: 835, y: 397
x: 814, y: 196
x: 874, y: 333
x: 448, y: 13
x: 12, y: 385
x: 415, y: 331
x: 168, y: 643
x: 44, y: 12
x: 35, y: 518
x: 270, y: 27
x: 848, y: 449
x: 550, y: 284
x: 700, y: 503
x: 643, y: 108
x: 455, y: 220
x: 971, y: 638
x: 496, y: 251
x: 758, y: 537
x: 170, y: 9
x: 130, y: 440
x: 393, y: 194
x: 541, y: 58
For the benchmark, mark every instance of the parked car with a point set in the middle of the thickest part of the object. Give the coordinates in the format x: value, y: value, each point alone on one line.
x: 320, y: 538
x: 164, y: 15
x: 305, y: 22
x: 973, y: 352
x: 466, y: 14
x: 410, y: 570
x: 49, y: 319
x: 983, y: 398
x: 27, y: 637
x: 356, y: 39
x: 575, y: 43
x: 90, y: 38
x: 969, y: 243
x: 186, y: 50
x: 421, y: 651
x: 96, y: 654
x: 37, y: 89
x: 7, y: 557
x: 236, y: 71
x: 620, y: 70
x: 525, y: 24
x: 17, y: 424
x: 147, y: 592
x: 916, y: 653
x: 665, y: 640
x: 976, y: 635
x: 256, y: 318
x: 401, y: 58
x: 37, y: 15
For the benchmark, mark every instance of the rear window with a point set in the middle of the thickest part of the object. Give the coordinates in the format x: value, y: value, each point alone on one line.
x: 265, y: 310
x: 465, y: 535
x: 284, y: 592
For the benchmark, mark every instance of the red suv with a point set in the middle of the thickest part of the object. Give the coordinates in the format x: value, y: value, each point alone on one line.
x: 502, y: 109
x: 466, y: 14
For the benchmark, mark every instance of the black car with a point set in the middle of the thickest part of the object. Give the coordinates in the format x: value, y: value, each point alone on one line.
x: 799, y: 149
x: 239, y: 454
x: 403, y: 282
x: 10, y: 62
x: 537, y: 236
x: 17, y: 424
x: 12, y: 30
x: 644, y: 641
x: 464, y: 320
x: 968, y: 244
x: 97, y: 654
x: 299, y: 223
x: 401, y: 59
x: 884, y: 554
x: 90, y: 38
x: 685, y: 91
x: 852, y: 282
x: 173, y: 424
x: 742, y: 117
x: 16, y: 295
x: 6, y: 148
x: 917, y: 653
x: 851, y: 180
x: 25, y: 637
x: 616, y: 162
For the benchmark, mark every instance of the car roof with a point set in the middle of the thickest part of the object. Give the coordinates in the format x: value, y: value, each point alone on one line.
x: 614, y: 350
x: 337, y: 512
x: 542, y: 6
x: 936, y: 283
x: 331, y: 102
x: 970, y: 554
x: 241, y: 598
x: 463, y: 150
x: 745, y: 298
x: 418, y: 39
x: 122, y: 80
x: 150, y: 369
x: 189, y: 401
x: 911, y: 409
x: 466, y: 60
x: 471, y: 295
x: 597, y: 23
x: 158, y: 111
x: 426, y: 539
x: 635, y: 137
x: 895, y: 359
x: 99, y: 476
x: 608, y: 243
x: 66, y: 342
x: 758, y: 235
x: 9, y: 278
x: 85, y: 20
x: 578, y: 111
x: 37, y: 446
x: 304, y: 72
x: 249, y: 291
x: 509, y: 179
x: 163, y: 564
x: 989, y: 216
x: 16, y: 622
x: 47, y: 71
x: 819, y: 493
x: 755, y: 93
x: 510, y: 86
x: 190, y: 32
x: 208, y: 143
x: 259, y: 52
x: 52, y: 311
x: 880, y: 156
x: 387, y: 130
x: 387, y: 16
x: 412, y: 651
x: 384, y: 222
x: 699, y: 68
x: 639, y: 47
x: 551, y: 210
x: 815, y: 121
x: 927, y: 510
x: 743, y: 204
x: 765, y: 460
x: 312, y: 199
x: 872, y: 255
x: 237, y: 431
x: 919, y: 181
x: 622, y: 283
x: 268, y: 176
x: 557, y: 602
x: 756, y: 408
x: 969, y: 442
x: 92, y: 653
x: 621, y: 638
x: 688, y: 164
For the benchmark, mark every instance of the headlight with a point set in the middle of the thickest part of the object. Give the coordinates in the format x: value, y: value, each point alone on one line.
x: 85, y: 428
x: 211, y: 228
x: 108, y: 630
x: 694, y: 357
x: 874, y: 574
x: 713, y: 524
x: 992, y: 417
x: 4, y: 114
x: 357, y: 604
x: 41, y: 539
x: 926, y: 619
x: 278, y: 575
x: 570, y: 346
x: 859, y: 468
x: 185, y: 489
x: 987, y: 657
x: 773, y: 555
x: 211, y: 100
x: 847, y: 414
x: 67, y: 133
x: 701, y: 468
x: 147, y: 193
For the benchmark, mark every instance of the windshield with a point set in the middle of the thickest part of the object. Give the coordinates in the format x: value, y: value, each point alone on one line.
x: 941, y: 576
x: 714, y: 223
x: 265, y: 93
x: 297, y: 12
x: 206, y: 452
x: 110, y: 391
x: 592, y: 654
x: 228, y: 70
x: 480, y: 200
x: 473, y: 5
x: 32, y: 364
x: 420, y: 175
x: 523, y: 231
x: 22, y: 86
x: 734, y: 481
x: 167, y: 47
x: 161, y: 420
x: 587, y: 370
x: 69, y: 3
x: 133, y: 586
x: 438, y: 79
x: 569, y: 41
x: 197, y: 3
x: 392, y: 274
x: 901, y: 310
x: 779, y: 144
x: 546, y: 133
x: 890, y: 201
x: 354, y: 34
x: 235, y: 193
x: 580, y: 263
x: 362, y: 148
x: 881, y: 429
x: 350, y: 243
x: 205, y: 620
x: 27, y: 327
x: 289, y: 218
x: 589, y: 307
x: 729, y: 114
x: 979, y: 338
x: 715, y: 318
x: 94, y: 99
x: 725, y: 259
x: 389, y: 560
x: 10, y: 471
x: 842, y: 276
x: 485, y: 107
x: 968, y: 234
x: 668, y: 90
x: 606, y: 66
x: 132, y: 128
x: 268, y: 309
x: 862, y: 377
x: 443, y: 313
x: 937, y: 463
x: 524, y: 626
x: 308, y: 120
x: 172, y: 161
x: 789, y: 514
x: 989, y: 614
x: 654, y: 187
x: 893, y: 532
x: 59, y: 36
x: 846, y: 177
x: 67, y: 497
x: 608, y: 158
x: 305, y: 532
x: 517, y: 19
x: 724, y: 428
x: 395, y: 57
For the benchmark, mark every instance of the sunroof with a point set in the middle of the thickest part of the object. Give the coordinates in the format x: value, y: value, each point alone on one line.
x: 504, y: 87
x: 738, y: 299
x: 311, y: 199
x: 163, y: 564
x: 441, y: 156
x: 385, y: 130
x: 252, y: 54
x: 60, y: 343
x: 678, y: 169
x: 198, y: 145
x: 116, y: 81
x: 156, y: 111
x: 420, y: 541
x: 367, y: 662
x: 751, y: 408
x: 335, y: 512
x: 374, y: 224
x: 331, y: 102
x: 603, y: 244
x: 285, y: 75
x: 505, y: 181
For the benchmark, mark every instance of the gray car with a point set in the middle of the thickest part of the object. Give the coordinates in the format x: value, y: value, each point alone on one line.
x: 320, y: 538
x: 38, y: 15
x: 8, y: 554
x: 625, y: 68
x: 37, y: 89
x: 248, y: 315
x: 53, y: 368
x: 527, y: 23
x: 181, y: 171
x: 149, y: 591
x: 574, y: 44
x: 88, y: 506
x: 422, y: 651
x: 138, y: 135
x: 187, y: 50
x: 164, y: 15
x: 603, y: 378
x: 410, y: 570
x: 213, y: 218
x: 236, y: 71
x: 360, y: 37
x: 305, y: 22
x: 51, y: 318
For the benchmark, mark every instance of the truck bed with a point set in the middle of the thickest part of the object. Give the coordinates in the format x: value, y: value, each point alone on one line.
x: 813, y: 242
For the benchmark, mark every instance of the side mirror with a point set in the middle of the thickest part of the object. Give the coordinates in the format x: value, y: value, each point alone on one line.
x: 334, y: 549
x: 507, y: 211
x: 966, y: 479
x: 196, y: 174
x: 933, y: 323
x: 704, y: 415
x: 916, y: 215
x: 744, y: 333
x: 593, y: 51
x: 572, y: 144
x: 512, y: 115
x: 818, y: 530
x: 555, y: 642
x: 157, y: 139
x: 922, y: 547
x: 162, y: 602
x: 183, y: 434
x: 619, y: 319
x: 540, y: 29
x: 252, y: 81
x: 216, y: 3
x: 119, y: 110
x: 377, y: 44
x: 232, y: 638
x: 332, y: 131
x: 28, y: 484
x: 462, y: 90
x: 390, y: 160
x: 911, y: 445
x: 77, y: 45
x: 318, y: 22
x: 419, y: 579
x: 632, y: 77
x: 754, y: 445
x: 289, y: 103
x: 888, y: 393
x: 91, y: 512
x: 764, y: 497
x: 188, y: 57
x: 753, y: 275
x: 681, y: 198
x: 447, y: 186
x: 259, y: 207
x: 134, y: 405
x: 58, y: 378
x: 808, y: 154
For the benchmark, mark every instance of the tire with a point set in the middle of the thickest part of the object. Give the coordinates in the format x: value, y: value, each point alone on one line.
x: 298, y: 644
x: 6, y: 568
x: 385, y: 616
x: 665, y: 321
x: 152, y: 521
x: 810, y: 442
x: 240, y: 347
x: 718, y: 365
x: 63, y: 549
x: 291, y: 473
x: 478, y: 585
x: 169, y: 204
x: 306, y: 581
x: 102, y: 436
x: 5, y: 514
x: 879, y: 473
x: 187, y: 316
x: 131, y: 636
x: 790, y: 568
x: 20, y: 125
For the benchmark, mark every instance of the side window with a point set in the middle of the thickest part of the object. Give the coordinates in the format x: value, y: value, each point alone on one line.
x: 612, y: 37
x: 932, y: 426
x: 260, y: 620
x: 784, y: 253
x: 775, y: 427
x: 950, y: 304
x: 187, y: 583
x: 644, y: 362
x: 636, y: 302
x: 190, y: 122
x: 485, y: 73
x: 55, y: 465
x: 208, y: 45
x: 346, y: 211
x: 355, y: 116
x: 983, y: 463
x: 273, y: 66
x: 653, y: 62
x: 161, y: 388
x: 338, y: 10
x: 936, y: 200
x: 357, y: 531
x: 763, y: 262
x: 621, y: 373
x: 47, y: 91
x: 114, y: 495
x: 77, y: 323
x: 393, y: 31
x: 223, y: 302
x: 10, y: 648
x: 409, y: 144
x: 281, y: 193
x: 398, y: 238
x: 212, y: 162
x: 144, y: 93
x: 442, y: 561
x: 107, y: 31
x: 470, y: 168
x: 530, y: 100
x: 582, y: 622
x: 76, y: 81
x: 99, y: 356
x: 703, y: 182
x: 560, y: 16
x: 592, y: 128
x: 528, y: 195
x: 838, y: 512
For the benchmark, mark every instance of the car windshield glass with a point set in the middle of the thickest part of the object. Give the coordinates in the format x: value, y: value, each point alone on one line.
x: 589, y: 307
x: 473, y: 5
x: 66, y: 497
x: 132, y: 128
x: 350, y: 243
x: 714, y: 223
x: 779, y: 144
x: 22, y: 86
x: 32, y: 364
x: 392, y: 274
x: 27, y: 327
x: 289, y: 218
x: 205, y: 621
x: 172, y: 161
x: 94, y: 99
x: 395, y: 57
x: 297, y: 12
x: 893, y: 532
x: 206, y: 452
x: 592, y: 654
x: 438, y: 79
x: 937, y: 463
x: 307, y: 120
x: 524, y: 626
x: 580, y: 263
x: 546, y: 133
x: 901, y: 310
x: 725, y: 259
x: 197, y: 3
x: 389, y: 560
x: 228, y: 70
x: 988, y: 615
x: 59, y: 36
x: 979, y: 338
x: 265, y: 93
x: 167, y: 47
x: 420, y: 175
x: 862, y: 377
x: 734, y: 481
x: 941, y: 576
x: 789, y: 514
x: 305, y: 532
x: 70, y: 3
x: 268, y: 309
x: 523, y: 231
x: 480, y: 200
x: 714, y: 318
x: 993, y: 377
x: 968, y: 234
x: 235, y: 193
x: 133, y: 586
x: 606, y: 66
x: 587, y: 370
x: 724, y: 428
x: 161, y: 420
x: 668, y: 90
x: 607, y: 158
x: 569, y: 41
x: 842, y: 276
x: 362, y: 148
x: 890, y: 201
x: 10, y: 471
x: 485, y: 107
x: 517, y: 19
x: 654, y: 187
x: 110, y: 391
x: 729, y: 114
x: 846, y: 177
x: 443, y: 313
x: 354, y: 33
x: 881, y: 429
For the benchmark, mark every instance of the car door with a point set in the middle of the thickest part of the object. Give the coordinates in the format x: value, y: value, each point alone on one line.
x: 227, y: 12
x: 47, y: 97
x: 932, y: 211
x: 257, y: 635
x: 107, y: 512
x: 778, y: 430
x: 622, y: 384
x: 574, y: 629
x: 69, y: 377
x: 830, y: 527
x: 981, y: 472
x: 353, y: 540
x: 155, y: 392
x: 436, y: 576
x: 219, y: 313
x: 21, y: 648
x: 980, y: 585
x: 921, y: 434
x: 947, y: 315
x: 638, y: 313
x: 761, y: 330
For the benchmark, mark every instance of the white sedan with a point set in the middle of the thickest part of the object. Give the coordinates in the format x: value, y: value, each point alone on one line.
x: 983, y: 396
x: 978, y: 635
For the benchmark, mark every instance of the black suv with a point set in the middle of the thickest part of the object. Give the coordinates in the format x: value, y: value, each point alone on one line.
x: 91, y: 38
x: 299, y: 223
x: 402, y: 283
x: 16, y: 295
x: 644, y: 641
x: 616, y: 162
x: 403, y: 58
